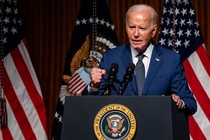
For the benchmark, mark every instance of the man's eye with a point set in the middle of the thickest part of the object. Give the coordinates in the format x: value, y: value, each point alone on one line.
x: 141, y: 28
x: 132, y: 27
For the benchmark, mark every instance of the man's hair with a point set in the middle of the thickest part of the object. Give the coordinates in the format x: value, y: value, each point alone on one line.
x: 143, y: 8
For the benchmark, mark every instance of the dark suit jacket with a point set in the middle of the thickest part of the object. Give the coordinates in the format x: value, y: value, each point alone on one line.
x: 165, y: 75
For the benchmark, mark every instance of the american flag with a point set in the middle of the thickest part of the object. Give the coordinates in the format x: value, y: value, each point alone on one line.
x: 24, y: 102
x: 93, y: 34
x: 180, y: 32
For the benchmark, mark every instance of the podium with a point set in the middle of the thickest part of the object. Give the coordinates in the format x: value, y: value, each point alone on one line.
x: 155, y: 118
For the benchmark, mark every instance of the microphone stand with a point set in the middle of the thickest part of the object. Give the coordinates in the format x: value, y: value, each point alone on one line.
x: 126, y: 79
x: 111, y: 85
x: 123, y: 86
x: 120, y: 92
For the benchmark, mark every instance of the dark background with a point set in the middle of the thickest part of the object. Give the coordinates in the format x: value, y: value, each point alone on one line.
x: 48, y: 27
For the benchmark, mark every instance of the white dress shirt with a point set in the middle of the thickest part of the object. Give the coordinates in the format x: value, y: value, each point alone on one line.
x: 146, y: 59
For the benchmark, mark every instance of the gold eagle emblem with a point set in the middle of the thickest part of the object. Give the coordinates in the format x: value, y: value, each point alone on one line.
x: 79, y: 59
x: 115, y: 123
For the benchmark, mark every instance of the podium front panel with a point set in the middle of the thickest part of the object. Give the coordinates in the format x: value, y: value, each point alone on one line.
x: 153, y: 114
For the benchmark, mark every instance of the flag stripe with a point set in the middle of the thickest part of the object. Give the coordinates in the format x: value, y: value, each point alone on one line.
x: 13, y: 126
x: 197, y: 89
x: 75, y: 83
x: 201, y: 119
x: 200, y: 71
x: 26, y: 57
x: 195, y: 130
x: 74, y: 79
x: 79, y: 89
x: 7, y: 135
x: 76, y: 89
x: 15, y: 103
x: 203, y: 56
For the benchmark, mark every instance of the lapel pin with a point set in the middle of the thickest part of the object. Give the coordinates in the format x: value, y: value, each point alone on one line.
x: 157, y: 59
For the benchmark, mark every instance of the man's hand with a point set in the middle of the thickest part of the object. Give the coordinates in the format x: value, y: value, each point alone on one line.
x: 177, y: 100
x: 96, y: 76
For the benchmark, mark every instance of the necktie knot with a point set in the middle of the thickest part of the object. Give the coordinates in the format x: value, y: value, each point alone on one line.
x: 140, y: 57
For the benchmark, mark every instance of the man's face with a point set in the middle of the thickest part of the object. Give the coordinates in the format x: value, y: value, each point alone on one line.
x: 140, y: 30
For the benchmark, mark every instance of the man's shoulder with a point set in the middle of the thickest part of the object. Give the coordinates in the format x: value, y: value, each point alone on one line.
x: 120, y: 48
x: 165, y: 50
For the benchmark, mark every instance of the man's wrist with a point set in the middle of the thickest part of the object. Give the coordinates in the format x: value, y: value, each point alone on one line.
x: 91, y: 89
x: 92, y: 85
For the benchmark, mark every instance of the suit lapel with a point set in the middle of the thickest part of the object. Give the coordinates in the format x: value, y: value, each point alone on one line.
x: 126, y: 59
x: 155, y: 63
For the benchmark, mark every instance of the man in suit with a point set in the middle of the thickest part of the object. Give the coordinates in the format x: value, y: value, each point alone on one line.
x: 163, y: 70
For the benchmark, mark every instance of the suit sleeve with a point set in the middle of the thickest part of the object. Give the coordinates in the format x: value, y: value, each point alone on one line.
x: 179, y: 86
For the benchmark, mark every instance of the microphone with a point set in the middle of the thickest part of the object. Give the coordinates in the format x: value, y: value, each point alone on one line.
x: 112, y: 77
x: 113, y: 72
x: 127, y: 78
x: 129, y: 71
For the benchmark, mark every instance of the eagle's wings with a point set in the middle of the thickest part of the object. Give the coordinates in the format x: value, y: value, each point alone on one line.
x: 120, y: 124
x: 80, y: 56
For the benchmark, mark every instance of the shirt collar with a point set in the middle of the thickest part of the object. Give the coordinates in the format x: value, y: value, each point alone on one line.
x: 147, y: 53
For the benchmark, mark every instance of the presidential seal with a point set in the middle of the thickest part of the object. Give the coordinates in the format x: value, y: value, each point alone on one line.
x: 114, y: 122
